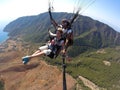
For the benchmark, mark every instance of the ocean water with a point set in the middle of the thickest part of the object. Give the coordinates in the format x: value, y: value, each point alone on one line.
x: 3, y: 36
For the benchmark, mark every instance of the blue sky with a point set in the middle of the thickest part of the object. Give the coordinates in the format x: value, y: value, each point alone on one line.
x: 107, y: 11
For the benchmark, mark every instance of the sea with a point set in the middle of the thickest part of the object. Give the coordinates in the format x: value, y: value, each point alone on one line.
x: 3, y: 36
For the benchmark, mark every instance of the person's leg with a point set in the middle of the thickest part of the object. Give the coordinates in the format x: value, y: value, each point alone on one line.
x: 38, y: 51
x: 26, y: 59
x: 37, y: 54
x: 45, y: 51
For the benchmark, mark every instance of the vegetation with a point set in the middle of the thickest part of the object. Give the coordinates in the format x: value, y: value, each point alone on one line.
x: 1, y: 85
x: 87, y: 56
x: 91, y: 65
x: 87, y: 31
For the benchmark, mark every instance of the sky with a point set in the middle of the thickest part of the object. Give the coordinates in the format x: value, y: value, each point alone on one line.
x: 106, y: 11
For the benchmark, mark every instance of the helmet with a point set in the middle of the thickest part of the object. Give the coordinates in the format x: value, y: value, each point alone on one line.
x: 60, y: 30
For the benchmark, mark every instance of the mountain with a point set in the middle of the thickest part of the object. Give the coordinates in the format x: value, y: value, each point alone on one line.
x: 87, y: 32
x: 36, y: 75
x: 99, y: 65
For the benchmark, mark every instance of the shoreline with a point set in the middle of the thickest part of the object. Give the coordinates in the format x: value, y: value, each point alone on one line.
x: 4, y: 36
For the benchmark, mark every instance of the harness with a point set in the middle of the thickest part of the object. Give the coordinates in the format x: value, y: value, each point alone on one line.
x: 55, y: 48
x: 70, y: 38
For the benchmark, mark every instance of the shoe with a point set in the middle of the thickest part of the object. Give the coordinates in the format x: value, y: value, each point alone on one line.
x: 25, y: 59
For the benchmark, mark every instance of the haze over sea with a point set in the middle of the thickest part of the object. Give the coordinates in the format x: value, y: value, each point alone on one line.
x: 3, y: 36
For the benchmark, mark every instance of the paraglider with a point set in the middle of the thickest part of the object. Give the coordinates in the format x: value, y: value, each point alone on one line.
x: 66, y: 24
x: 63, y: 36
x: 50, y: 49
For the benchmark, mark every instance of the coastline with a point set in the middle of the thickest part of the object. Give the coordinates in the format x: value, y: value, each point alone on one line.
x: 3, y: 36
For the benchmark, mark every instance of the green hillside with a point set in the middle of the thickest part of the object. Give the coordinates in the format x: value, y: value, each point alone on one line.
x: 1, y: 85
x: 99, y: 66
x: 95, y: 52
x: 86, y: 30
